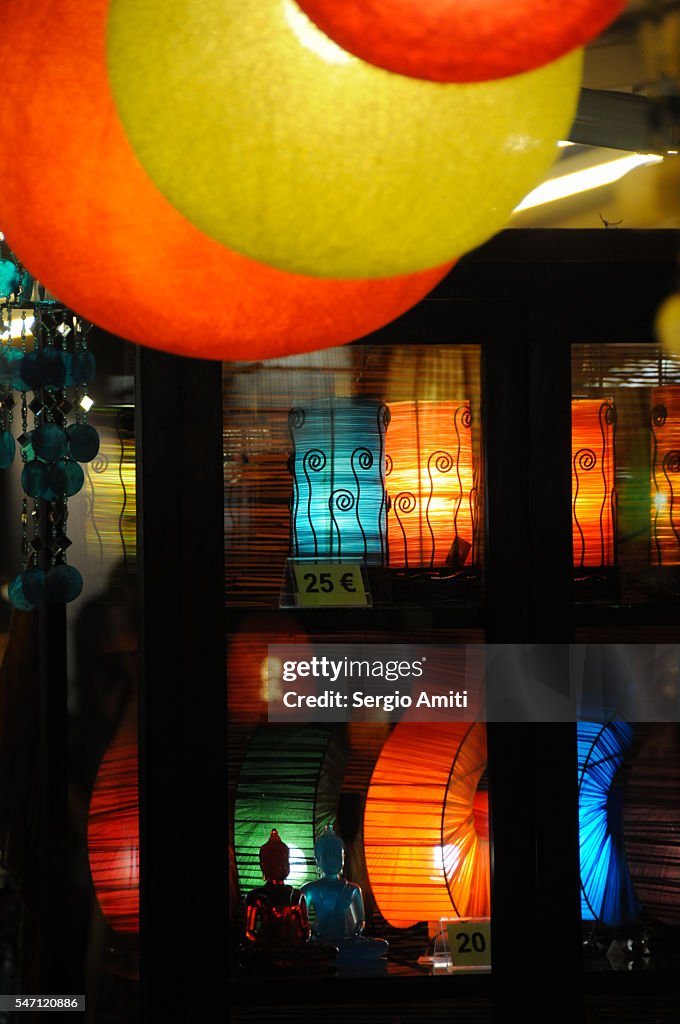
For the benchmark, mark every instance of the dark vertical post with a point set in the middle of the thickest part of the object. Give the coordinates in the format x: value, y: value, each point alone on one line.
x: 532, y: 765
x: 60, y: 971
x: 182, y: 724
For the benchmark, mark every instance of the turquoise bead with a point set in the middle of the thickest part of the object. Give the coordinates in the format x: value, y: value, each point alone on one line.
x: 35, y: 480
x: 84, y: 442
x: 7, y: 449
x: 64, y: 583
x: 50, y: 442
x: 27, y: 590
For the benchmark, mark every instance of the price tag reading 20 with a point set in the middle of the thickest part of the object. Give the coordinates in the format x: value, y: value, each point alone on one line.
x: 470, y: 943
x: 328, y: 584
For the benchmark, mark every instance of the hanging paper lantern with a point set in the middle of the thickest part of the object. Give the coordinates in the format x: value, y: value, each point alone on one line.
x: 81, y: 213
x: 667, y: 324
x: 607, y: 892
x: 290, y: 780
x: 279, y: 144
x: 338, y: 506
x: 431, y: 484
x: 665, y: 475
x: 113, y: 833
x: 426, y: 832
x: 593, y: 493
x: 460, y: 40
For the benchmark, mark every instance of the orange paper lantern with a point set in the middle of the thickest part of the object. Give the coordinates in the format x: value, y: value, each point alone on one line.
x: 426, y: 832
x: 113, y: 833
x: 431, y: 482
x: 460, y: 40
x: 593, y: 423
x: 665, y: 458
x: 81, y: 214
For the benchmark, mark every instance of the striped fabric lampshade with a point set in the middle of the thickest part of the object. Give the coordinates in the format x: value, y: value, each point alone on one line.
x: 431, y: 483
x: 607, y: 892
x: 290, y: 780
x: 113, y: 833
x: 665, y: 472
x: 651, y: 819
x: 338, y: 506
x: 593, y: 426
x: 426, y: 832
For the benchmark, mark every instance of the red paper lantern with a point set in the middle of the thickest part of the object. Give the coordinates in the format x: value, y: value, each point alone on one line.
x: 461, y: 40
x: 81, y: 214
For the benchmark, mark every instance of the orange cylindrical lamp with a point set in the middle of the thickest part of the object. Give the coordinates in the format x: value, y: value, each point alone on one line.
x: 665, y: 473
x: 426, y: 832
x: 431, y: 483
x: 593, y: 491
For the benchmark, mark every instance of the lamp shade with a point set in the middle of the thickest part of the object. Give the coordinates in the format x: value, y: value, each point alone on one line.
x: 338, y: 506
x: 460, y: 40
x: 290, y: 780
x: 83, y: 216
x: 270, y: 138
x: 431, y: 483
x: 593, y: 491
x: 426, y: 832
x: 651, y: 819
x: 607, y: 892
x: 665, y: 472
x: 113, y: 833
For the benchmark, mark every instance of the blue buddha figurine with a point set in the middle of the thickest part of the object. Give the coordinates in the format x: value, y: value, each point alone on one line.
x: 337, y: 906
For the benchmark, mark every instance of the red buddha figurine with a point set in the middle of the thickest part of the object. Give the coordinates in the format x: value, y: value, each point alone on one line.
x: 276, y: 913
x: 277, y: 928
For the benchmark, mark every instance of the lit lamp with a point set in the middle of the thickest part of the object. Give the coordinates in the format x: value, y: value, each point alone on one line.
x: 290, y: 780
x: 607, y: 892
x: 432, y: 486
x: 593, y: 465
x: 113, y: 833
x: 338, y: 506
x: 665, y: 473
x: 426, y: 832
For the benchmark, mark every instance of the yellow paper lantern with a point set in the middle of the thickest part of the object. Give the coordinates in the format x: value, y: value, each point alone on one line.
x: 286, y: 148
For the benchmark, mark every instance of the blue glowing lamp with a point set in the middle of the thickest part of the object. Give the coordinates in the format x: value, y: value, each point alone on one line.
x: 607, y: 892
x: 339, y: 505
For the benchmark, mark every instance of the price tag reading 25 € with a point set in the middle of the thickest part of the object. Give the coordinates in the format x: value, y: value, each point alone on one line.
x: 328, y: 584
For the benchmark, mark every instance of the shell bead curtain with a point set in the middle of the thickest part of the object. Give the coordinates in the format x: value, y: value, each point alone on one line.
x: 593, y: 490
x: 431, y: 482
x: 665, y: 473
x: 338, y: 507
x: 290, y: 780
x: 46, y: 368
x: 426, y: 832
x: 607, y: 892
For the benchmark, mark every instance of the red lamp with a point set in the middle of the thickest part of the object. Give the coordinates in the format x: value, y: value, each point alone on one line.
x: 460, y: 40
x: 113, y: 833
